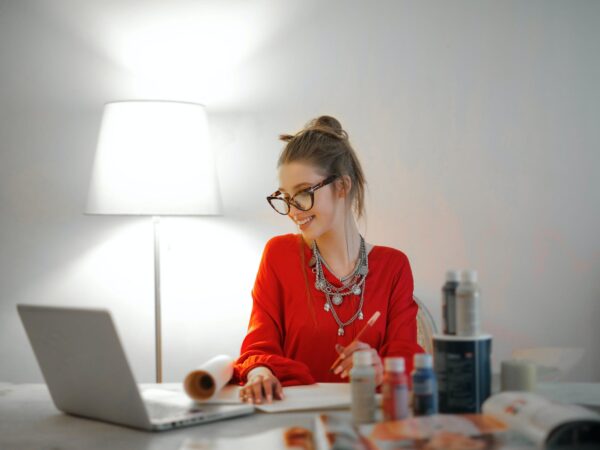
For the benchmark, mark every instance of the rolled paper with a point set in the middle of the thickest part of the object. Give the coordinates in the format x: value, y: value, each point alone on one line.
x: 207, y: 380
x: 517, y: 376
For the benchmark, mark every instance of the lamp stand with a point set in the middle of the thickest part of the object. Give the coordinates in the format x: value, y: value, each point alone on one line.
x: 157, y: 315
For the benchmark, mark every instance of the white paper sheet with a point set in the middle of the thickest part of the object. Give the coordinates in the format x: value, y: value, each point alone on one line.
x: 296, y: 398
x: 573, y: 393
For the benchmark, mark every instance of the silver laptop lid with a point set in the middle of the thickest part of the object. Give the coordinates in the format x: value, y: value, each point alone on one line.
x: 83, y: 363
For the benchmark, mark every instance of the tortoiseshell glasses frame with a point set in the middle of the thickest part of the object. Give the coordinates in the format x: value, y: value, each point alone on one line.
x: 302, y: 200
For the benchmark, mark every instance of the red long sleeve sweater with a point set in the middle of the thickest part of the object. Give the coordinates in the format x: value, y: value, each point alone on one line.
x: 292, y: 334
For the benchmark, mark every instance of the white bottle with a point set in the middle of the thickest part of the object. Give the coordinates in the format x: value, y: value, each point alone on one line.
x: 362, y: 384
x: 468, y: 305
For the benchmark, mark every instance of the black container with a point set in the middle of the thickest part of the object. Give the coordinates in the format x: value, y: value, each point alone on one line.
x: 463, y: 368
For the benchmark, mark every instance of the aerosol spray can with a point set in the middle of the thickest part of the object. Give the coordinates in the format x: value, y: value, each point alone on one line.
x: 449, y: 302
x: 468, y: 317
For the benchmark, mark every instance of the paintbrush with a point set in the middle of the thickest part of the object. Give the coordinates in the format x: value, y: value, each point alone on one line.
x: 369, y: 323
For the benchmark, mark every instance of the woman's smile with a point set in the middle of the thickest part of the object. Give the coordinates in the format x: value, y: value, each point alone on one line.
x: 303, y: 223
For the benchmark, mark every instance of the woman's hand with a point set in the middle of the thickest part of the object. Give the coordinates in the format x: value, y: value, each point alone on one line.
x: 261, y: 384
x: 343, y: 368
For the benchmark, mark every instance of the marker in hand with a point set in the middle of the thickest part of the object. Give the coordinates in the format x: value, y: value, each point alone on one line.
x: 369, y: 323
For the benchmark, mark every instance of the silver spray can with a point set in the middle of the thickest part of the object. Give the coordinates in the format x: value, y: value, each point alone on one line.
x: 468, y: 305
x: 449, y: 302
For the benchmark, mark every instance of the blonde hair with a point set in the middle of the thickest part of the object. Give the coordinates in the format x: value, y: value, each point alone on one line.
x: 324, y: 144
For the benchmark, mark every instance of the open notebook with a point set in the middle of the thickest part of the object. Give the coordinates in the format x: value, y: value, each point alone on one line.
x: 297, y: 398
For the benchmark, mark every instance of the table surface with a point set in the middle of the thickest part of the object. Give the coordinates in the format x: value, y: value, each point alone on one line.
x: 29, y: 420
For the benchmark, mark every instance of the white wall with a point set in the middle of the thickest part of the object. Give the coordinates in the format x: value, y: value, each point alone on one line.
x: 477, y: 124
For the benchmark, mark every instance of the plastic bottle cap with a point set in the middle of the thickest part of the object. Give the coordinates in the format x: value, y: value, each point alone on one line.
x: 452, y: 275
x: 394, y: 364
x: 423, y: 360
x: 362, y: 358
x: 469, y: 276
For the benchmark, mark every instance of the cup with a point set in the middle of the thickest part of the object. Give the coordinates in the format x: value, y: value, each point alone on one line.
x: 518, y: 375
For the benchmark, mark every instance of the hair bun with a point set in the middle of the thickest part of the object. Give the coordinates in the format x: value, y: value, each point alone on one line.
x: 328, y: 122
x: 329, y: 125
x: 286, y: 137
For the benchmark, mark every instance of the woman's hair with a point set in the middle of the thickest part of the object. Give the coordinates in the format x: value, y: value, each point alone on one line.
x: 324, y: 144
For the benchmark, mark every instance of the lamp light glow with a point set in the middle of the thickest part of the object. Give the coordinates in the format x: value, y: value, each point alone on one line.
x: 153, y: 158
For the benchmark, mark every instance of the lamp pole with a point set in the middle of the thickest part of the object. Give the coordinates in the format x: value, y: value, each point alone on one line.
x: 157, y: 307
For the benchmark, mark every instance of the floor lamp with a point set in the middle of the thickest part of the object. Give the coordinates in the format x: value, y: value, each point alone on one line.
x: 153, y: 158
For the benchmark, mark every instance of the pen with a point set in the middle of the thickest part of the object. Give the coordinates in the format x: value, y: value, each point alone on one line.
x: 369, y: 323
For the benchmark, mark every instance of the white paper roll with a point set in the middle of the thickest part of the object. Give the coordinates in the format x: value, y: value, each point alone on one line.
x: 207, y: 380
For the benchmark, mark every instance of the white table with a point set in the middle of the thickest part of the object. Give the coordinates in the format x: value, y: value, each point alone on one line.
x: 29, y: 420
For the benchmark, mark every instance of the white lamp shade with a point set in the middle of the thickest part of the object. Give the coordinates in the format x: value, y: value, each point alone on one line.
x: 154, y: 158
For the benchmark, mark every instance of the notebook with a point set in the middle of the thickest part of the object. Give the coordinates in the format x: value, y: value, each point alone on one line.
x: 317, y: 396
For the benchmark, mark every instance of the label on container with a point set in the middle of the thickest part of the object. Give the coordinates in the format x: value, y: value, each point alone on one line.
x: 395, y: 401
x: 424, y: 405
x: 449, y: 307
x: 467, y: 313
x: 363, y: 399
x: 463, y: 373
x: 425, y: 388
x: 424, y: 393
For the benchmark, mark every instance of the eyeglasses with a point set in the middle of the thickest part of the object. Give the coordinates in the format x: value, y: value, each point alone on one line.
x: 302, y: 200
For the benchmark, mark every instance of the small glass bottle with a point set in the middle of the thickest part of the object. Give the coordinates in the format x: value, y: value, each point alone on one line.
x: 425, y: 395
x: 395, y: 390
x: 362, y: 384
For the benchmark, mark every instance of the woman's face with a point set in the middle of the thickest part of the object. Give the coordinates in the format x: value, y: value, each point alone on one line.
x: 328, y: 205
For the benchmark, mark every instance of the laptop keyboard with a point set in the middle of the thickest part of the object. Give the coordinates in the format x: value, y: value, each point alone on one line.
x: 158, y: 411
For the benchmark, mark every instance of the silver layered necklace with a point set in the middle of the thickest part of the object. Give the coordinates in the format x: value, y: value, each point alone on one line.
x: 353, y: 284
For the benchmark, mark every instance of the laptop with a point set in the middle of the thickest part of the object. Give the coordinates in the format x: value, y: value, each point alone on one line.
x: 88, y: 375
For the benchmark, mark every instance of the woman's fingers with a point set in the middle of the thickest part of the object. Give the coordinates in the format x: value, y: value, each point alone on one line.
x: 358, y: 345
x: 267, y: 385
x: 346, y: 364
x: 257, y: 389
x: 378, y: 364
x: 278, y: 390
x: 344, y: 367
x: 247, y: 394
x: 260, y: 387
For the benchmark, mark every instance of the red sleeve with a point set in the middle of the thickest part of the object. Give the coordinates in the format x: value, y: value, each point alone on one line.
x: 401, y: 330
x: 263, y: 343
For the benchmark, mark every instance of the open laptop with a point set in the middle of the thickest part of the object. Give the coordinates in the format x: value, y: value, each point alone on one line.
x: 88, y: 375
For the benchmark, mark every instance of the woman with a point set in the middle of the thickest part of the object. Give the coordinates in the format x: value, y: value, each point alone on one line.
x: 314, y: 291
